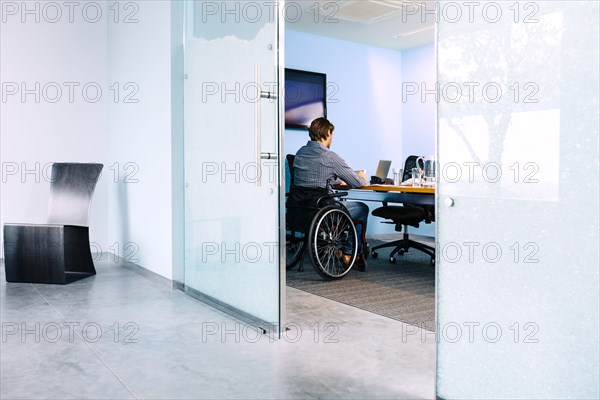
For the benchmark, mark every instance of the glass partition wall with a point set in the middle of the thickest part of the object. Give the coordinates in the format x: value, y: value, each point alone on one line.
x: 517, y: 230
x: 233, y: 175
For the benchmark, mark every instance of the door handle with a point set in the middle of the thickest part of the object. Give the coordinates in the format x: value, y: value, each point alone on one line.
x: 267, y: 95
x: 449, y: 202
x: 268, y: 156
x: 259, y: 154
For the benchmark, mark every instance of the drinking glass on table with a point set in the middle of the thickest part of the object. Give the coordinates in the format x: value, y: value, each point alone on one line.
x: 416, y: 177
x: 398, y: 177
x: 429, y: 172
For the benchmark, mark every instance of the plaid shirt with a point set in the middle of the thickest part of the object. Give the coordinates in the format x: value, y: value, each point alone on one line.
x: 315, y: 166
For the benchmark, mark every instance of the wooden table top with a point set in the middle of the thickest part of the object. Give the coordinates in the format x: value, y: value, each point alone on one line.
x: 391, y: 188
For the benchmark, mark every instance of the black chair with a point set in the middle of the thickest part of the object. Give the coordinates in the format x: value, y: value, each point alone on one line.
x: 59, y: 251
x: 403, y: 217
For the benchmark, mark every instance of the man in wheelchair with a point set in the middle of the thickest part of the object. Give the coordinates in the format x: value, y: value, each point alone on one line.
x: 316, y: 168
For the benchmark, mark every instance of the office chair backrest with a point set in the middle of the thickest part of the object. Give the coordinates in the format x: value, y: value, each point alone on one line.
x: 409, y: 164
x: 71, y: 190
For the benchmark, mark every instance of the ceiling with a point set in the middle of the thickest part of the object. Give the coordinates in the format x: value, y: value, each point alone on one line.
x: 390, y: 24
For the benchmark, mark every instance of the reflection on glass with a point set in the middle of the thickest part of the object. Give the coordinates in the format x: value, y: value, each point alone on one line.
x: 499, y: 109
x: 518, y: 224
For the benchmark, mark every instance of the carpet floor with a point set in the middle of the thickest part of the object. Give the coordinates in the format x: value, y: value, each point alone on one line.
x: 404, y: 291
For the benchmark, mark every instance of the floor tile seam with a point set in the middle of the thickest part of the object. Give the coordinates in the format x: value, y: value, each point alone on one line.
x: 88, y: 345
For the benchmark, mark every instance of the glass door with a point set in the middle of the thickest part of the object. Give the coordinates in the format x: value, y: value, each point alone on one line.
x: 233, y: 174
x: 517, y: 274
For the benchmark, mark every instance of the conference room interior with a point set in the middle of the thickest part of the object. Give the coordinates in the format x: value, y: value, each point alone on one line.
x: 368, y: 77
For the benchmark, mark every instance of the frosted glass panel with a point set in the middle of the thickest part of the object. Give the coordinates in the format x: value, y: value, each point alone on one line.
x: 232, y: 193
x: 517, y: 275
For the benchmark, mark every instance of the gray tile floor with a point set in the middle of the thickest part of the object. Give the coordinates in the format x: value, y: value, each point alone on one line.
x: 132, y: 337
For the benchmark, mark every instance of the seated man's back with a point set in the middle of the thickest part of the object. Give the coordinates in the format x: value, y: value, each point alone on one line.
x: 316, y: 166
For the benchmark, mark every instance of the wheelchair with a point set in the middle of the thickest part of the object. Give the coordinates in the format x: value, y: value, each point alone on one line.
x: 318, y: 223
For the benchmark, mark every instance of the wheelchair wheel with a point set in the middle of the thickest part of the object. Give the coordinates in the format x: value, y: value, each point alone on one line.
x: 294, y: 247
x: 332, y: 234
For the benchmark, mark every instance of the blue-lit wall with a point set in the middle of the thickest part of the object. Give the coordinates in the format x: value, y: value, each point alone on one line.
x: 418, y: 110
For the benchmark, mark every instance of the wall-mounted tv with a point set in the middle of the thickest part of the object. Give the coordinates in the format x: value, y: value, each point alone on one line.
x: 305, y: 94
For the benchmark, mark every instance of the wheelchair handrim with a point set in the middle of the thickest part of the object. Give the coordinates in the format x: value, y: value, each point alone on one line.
x: 327, y: 211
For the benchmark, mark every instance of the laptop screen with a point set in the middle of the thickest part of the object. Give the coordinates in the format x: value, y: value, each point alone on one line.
x: 383, y: 168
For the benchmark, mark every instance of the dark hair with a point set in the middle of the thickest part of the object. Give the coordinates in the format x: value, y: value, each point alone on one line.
x: 319, y: 129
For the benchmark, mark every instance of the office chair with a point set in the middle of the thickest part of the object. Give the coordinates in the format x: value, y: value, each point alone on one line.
x: 59, y: 251
x: 404, y: 216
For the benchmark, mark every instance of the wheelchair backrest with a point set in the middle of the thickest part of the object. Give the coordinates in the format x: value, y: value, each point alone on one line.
x: 302, y: 205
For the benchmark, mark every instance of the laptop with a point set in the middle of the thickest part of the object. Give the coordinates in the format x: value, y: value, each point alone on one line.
x: 383, y: 168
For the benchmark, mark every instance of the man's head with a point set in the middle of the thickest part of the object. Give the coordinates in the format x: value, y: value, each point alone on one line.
x: 321, y: 131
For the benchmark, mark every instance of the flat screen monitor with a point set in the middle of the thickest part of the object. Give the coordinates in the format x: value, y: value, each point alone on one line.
x: 304, y: 97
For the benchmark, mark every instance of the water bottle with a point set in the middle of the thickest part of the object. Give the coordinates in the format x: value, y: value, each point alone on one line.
x: 430, y: 170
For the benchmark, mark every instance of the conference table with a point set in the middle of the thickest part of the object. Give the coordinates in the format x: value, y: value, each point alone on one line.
x: 391, y: 194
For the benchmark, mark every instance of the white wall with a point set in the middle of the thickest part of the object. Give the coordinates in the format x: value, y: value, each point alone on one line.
x: 141, y: 210
x: 37, y: 131
x: 129, y: 129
